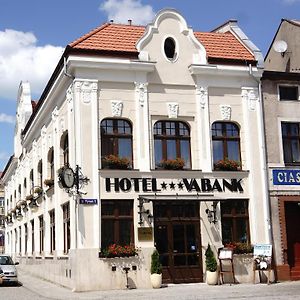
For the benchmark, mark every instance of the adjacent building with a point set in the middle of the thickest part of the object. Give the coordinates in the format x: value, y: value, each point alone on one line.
x: 280, y: 89
x: 2, y: 217
x: 143, y: 137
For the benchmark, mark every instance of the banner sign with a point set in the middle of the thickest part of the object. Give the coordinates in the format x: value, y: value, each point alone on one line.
x: 286, y: 177
x: 204, y: 185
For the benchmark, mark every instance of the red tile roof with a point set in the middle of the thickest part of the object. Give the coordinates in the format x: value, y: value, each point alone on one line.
x: 123, y: 38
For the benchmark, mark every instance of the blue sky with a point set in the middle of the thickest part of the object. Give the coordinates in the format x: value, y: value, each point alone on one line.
x: 33, y: 34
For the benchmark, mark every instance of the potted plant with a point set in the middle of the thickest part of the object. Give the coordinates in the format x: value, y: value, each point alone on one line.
x: 172, y: 164
x: 115, y: 162
x: 29, y: 197
x: 227, y: 165
x: 116, y: 250
x: 211, y: 267
x: 156, y: 269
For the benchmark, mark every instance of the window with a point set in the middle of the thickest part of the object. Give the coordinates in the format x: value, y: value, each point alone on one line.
x: 51, y: 163
x: 66, y: 227
x: 171, y: 141
x: 32, y: 236
x: 226, y: 141
x: 290, y: 141
x: 288, y: 92
x: 41, y: 222
x: 31, y: 180
x: 235, y: 221
x: 116, y: 139
x: 169, y: 48
x: 40, y: 173
x: 65, y: 149
x: 25, y: 237
x: 52, y: 231
x: 117, y: 222
x: 20, y: 240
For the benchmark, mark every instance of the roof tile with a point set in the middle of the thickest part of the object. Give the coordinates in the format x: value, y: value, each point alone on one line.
x: 123, y: 38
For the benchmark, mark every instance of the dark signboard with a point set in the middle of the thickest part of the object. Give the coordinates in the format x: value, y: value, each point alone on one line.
x: 286, y: 177
x: 88, y: 201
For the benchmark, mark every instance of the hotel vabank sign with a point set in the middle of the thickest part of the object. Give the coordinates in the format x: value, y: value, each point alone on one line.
x: 204, y: 185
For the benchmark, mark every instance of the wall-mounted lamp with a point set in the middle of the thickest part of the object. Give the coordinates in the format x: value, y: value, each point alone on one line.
x: 33, y: 205
x: 19, y: 215
x: 212, y: 213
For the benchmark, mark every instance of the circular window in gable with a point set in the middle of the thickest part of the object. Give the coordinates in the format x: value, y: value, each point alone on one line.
x: 170, y: 49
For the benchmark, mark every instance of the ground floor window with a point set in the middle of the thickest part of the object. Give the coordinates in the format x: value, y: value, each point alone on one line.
x: 117, y: 222
x: 235, y: 221
x: 66, y: 227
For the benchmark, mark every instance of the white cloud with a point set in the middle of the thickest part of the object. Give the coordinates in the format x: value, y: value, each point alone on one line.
x: 4, y: 118
x: 122, y: 10
x: 22, y: 59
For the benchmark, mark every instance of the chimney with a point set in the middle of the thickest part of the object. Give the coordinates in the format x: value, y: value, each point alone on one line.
x: 130, y: 22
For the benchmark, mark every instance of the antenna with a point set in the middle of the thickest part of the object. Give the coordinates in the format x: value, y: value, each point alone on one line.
x: 280, y: 46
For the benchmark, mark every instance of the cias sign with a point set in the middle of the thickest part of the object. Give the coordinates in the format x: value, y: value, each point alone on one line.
x: 190, y: 185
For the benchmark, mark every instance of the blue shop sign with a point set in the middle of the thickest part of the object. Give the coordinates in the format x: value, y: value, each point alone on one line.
x: 286, y: 177
x: 88, y: 201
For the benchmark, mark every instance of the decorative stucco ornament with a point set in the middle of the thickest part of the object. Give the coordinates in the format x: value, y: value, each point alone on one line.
x: 54, y: 114
x: 141, y: 88
x: 173, y: 109
x: 225, y: 112
x: 69, y: 94
x: 86, y: 90
x: 116, y: 108
x: 203, y: 93
x: 251, y: 95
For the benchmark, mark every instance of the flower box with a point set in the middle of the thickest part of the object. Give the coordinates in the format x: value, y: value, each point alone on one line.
x: 227, y: 165
x: 172, y: 164
x: 115, y: 162
x: 239, y: 247
x: 29, y: 197
x: 115, y: 250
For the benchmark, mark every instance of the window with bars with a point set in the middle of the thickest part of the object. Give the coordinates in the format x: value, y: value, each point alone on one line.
x: 52, y: 231
x: 41, y: 223
x: 66, y: 227
x: 235, y: 221
x: 226, y: 141
x: 117, y: 222
x: 116, y: 139
x: 171, y: 141
x: 291, y: 142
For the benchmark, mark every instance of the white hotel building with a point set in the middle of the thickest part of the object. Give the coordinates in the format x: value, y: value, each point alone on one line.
x: 122, y: 104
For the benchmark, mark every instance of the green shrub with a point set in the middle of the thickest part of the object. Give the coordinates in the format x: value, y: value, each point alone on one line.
x: 156, y: 266
x: 210, y: 260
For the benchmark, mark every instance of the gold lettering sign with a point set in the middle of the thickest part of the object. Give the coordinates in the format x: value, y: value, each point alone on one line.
x: 145, y: 233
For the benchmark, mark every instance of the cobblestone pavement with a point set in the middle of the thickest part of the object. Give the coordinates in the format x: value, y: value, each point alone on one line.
x: 34, y: 288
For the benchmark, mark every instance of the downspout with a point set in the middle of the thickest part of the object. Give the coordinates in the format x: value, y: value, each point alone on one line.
x: 263, y: 155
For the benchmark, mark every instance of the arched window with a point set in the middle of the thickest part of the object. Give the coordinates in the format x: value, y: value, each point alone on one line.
x: 116, y: 144
x: 40, y: 173
x: 51, y: 163
x: 171, y: 142
x: 65, y: 148
x: 226, y: 142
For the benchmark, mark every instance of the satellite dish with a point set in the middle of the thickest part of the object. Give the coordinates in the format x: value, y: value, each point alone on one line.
x: 280, y: 46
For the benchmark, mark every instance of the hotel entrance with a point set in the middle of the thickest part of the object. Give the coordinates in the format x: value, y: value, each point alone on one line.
x: 178, y: 240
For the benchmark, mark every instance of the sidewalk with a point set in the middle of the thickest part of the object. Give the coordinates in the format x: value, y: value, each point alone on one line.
x: 286, y: 290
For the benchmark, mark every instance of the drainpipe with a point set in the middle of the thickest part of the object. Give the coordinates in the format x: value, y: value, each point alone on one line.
x: 263, y: 155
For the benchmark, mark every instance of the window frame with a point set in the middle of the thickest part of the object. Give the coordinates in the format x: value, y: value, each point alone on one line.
x: 66, y: 227
x: 41, y: 233
x: 234, y: 216
x: 52, y: 230
x: 164, y: 138
x: 116, y: 217
x: 288, y: 86
x: 286, y: 141
x: 116, y: 136
x: 225, y: 139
